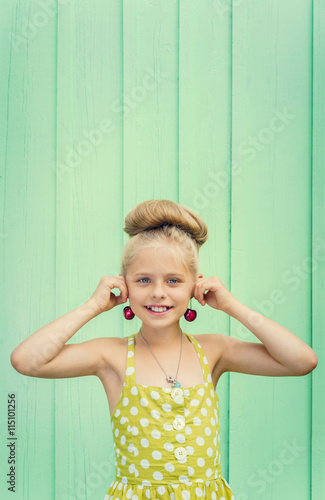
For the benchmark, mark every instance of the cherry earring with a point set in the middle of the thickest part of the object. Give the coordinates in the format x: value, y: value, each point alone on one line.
x: 190, y: 314
x: 128, y: 313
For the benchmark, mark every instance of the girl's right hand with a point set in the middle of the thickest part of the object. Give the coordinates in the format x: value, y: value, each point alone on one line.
x: 105, y: 298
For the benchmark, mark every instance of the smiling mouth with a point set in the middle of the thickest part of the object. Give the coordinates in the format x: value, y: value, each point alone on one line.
x: 158, y: 309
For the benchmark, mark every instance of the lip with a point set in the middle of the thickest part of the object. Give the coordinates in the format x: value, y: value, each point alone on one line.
x: 157, y: 305
x: 162, y: 313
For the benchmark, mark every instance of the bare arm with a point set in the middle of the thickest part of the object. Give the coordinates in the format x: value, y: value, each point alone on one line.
x: 44, y: 353
x: 43, y: 346
x: 281, y: 352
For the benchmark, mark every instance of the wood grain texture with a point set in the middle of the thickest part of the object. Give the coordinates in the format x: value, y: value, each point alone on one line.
x: 216, y: 105
x: 88, y: 225
x: 318, y: 255
x: 27, y: 236
x: 205, y: 159
x: 270, y: 238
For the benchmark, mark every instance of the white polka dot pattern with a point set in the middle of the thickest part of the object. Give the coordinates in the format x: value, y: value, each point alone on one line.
x: 167, y: 439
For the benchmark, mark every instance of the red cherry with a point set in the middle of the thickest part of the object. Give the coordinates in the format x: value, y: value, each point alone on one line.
x: 190, y: 315
x: 128, y: 313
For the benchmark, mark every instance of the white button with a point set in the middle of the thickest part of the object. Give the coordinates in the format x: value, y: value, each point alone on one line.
x: 179, y: 422
x: 180, y: 453
x: 177, y: 393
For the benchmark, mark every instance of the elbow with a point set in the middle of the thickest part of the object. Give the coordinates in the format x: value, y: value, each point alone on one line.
x: 308, y: 365
x: 18, y: 365
x: 313, y: 363
x: 14, y: 361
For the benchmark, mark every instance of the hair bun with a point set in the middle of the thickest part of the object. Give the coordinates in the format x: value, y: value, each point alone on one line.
x: 153, y: 214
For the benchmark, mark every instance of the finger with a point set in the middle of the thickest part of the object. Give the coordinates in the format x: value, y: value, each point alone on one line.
x: 119, y: 300
x: 198, y: 293
x: 123, y: 295
x: 201, y: 290
x: 113, y: 284
x: 112, y: 298
x: 121, y: 287
x: 195, y: 292
x: 124, y: 291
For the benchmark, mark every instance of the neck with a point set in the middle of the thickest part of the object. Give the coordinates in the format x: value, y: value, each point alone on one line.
x: 160, y: 337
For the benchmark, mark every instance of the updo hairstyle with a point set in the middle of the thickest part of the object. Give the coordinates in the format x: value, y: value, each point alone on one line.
x: 156, y: 222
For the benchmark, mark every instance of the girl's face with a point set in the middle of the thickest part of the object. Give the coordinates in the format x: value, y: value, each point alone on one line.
x: 157, y: 279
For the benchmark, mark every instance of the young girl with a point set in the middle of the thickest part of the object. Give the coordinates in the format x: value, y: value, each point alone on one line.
x: 160, y: 381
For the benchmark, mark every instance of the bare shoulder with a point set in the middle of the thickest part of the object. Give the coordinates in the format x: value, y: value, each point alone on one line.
x: 212, y: 340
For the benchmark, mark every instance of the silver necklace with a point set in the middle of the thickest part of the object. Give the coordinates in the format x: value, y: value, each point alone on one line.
x: 169, y: 378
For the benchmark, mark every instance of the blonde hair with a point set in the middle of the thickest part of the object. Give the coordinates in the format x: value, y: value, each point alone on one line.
x: 154, y: 222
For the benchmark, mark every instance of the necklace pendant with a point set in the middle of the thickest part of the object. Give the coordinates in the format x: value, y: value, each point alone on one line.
x: 176, y: 384
x: 170, y: 379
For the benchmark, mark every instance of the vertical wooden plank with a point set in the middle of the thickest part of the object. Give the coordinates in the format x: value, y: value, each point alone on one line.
x: 318, y: 254
x: 89, y: 226
x: 28, y: 142
x: 150, y: 89
x: 270, y: 240
x: 138, y: 50
x: 204, y: 157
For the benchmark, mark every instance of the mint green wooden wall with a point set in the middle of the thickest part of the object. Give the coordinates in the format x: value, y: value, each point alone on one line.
x: 214, y: 104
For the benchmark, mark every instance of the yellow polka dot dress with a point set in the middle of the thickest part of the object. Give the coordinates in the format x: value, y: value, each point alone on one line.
x: 167, y: 439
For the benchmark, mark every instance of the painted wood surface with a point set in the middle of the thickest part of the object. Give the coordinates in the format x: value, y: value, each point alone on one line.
x: 218, y: 105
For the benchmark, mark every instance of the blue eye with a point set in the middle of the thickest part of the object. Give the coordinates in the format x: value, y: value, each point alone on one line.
x: 175, y: 280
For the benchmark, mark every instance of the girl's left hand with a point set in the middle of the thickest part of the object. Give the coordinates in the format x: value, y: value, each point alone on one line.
x: 218, y: 296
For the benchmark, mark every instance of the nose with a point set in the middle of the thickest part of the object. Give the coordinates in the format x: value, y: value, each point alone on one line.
x: 158, y: 290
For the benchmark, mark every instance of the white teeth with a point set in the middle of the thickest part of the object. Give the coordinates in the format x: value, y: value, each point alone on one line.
x: 158, y: 309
